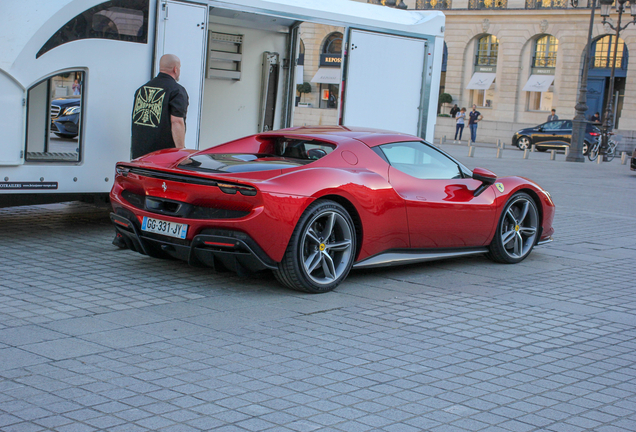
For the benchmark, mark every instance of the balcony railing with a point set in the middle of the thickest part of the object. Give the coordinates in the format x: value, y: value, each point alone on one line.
x: 544, y: 62
x: 487, y: 4
x: 485, y: 60
x: 546, y: 4
x: 433, y: 4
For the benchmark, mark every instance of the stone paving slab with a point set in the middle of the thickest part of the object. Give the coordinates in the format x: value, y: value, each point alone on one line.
x: 93, y: 338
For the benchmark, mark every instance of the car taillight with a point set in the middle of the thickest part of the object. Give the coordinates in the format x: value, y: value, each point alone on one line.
x: 233, y: 189
x: 594, y: 133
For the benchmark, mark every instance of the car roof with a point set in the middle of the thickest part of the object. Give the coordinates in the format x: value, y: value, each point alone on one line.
x: 369, y: 136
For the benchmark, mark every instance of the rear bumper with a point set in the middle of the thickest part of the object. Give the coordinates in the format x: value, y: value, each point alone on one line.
x: 232, y: 250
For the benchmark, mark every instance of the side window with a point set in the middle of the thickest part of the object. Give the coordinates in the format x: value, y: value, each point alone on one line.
x: 552, y: 125
x: 124, y: 20
x: 420, y: 160
x: 566, y: 125
x: 54, y: 118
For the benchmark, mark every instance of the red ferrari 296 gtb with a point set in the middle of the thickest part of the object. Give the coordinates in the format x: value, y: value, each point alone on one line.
x: 310, y: 203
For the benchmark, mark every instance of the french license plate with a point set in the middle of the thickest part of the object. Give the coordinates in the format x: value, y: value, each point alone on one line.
x: 158, y: 226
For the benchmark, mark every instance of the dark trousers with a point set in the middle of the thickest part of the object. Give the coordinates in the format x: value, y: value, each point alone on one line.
x: 459, y: 128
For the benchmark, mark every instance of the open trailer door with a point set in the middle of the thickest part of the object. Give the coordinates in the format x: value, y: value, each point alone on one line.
x: 12, y: 101
x: 182, y: 30
x: 384, y: 82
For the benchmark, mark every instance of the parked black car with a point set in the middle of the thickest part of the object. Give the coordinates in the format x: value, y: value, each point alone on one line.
x: 555, y: 134
x: 65, y: 117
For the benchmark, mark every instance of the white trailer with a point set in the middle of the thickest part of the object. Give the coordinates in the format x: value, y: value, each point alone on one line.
x: 69, y: 69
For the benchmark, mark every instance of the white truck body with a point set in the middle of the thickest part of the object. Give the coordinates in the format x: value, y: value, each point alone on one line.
x: 390, y: 74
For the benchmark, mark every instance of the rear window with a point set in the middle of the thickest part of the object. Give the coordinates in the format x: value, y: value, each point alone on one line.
x: 302, y: 149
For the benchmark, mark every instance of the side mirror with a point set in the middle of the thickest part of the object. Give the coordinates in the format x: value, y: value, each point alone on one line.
x: 486, y: 178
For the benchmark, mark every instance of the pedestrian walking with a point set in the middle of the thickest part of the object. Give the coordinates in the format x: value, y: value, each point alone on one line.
x: 459, y: 123
x: 454, y: 110
x: 474, y: 117
x: 159, y: 112
x: 553, y: 116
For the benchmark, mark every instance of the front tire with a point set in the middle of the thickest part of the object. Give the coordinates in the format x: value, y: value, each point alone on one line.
x: 586, y: 148
x: 524, y: 143
x: 321, y: 249
x: 517, y: 230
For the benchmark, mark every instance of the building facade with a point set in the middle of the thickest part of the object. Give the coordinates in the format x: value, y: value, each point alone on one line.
x: 516, y: 60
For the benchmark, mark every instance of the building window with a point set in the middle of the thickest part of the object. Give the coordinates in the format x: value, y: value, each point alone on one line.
x: 604, y: 52
x: 487, y: 49
x: 333, y: 44
x: 54, y: 114
x: 433, y: 4
x: 122, y: 20
x: 301, y: 53
x: 545, y: 52
x: 546, y: 4
x: 540, y: 101
x: 483, y: 98
x: 487, y: 4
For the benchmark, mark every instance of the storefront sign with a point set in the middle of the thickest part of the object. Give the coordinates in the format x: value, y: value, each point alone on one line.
x: 27, y: 185
x: 330, y: 60
x: 543, y: 71
x: 487, y: 69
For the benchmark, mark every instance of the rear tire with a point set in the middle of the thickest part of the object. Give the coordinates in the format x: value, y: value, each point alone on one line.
x: 586, y: 148
x: 321, y: 250
x: 517, y: 230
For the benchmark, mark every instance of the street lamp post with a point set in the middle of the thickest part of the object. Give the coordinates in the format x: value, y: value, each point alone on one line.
x: 579, y: 123
x: 606, y: 6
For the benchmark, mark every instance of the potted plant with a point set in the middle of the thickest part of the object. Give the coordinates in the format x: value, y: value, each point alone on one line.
x: 445, y: 99
x: 303, y: 89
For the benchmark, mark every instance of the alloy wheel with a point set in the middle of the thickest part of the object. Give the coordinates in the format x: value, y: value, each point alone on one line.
x: 327, y: 247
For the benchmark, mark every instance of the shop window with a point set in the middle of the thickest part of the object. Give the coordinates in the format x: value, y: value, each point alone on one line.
x: 123, y: 20
x: 545, y: 52
x: 329, y: 95
x: 483, y: 98
x: 54, y: 118
x: 487, y: 50
x: 540, y: 101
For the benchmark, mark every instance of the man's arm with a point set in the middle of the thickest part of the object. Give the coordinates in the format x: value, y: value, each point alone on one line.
x: 178, y: 131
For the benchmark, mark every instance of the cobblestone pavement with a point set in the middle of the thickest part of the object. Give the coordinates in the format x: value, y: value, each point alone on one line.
x: 96, y: 338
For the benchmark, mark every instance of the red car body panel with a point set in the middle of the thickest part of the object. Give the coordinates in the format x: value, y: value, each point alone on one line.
x: 393, y: 210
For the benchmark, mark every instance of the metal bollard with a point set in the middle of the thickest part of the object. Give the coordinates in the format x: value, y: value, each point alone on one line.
x: 471, y: 151
x: 552, y: 154
x: 526, y: 153
x: 567, y: 151
x: 443, y: 140
x: 498, y: 153
x: 624, y: 158
x: 533, y: 148
x: 599, y: 159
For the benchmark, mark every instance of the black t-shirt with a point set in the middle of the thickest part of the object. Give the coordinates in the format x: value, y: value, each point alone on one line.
x: 473, y: 116
x: 155, y: 102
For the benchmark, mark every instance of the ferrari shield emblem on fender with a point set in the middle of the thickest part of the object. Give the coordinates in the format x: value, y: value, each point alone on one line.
x: 500, y: 187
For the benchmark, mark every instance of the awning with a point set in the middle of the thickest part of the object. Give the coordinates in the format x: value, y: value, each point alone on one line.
x: 327, y: 75
x: 481, y: 81
x: 538, y: 83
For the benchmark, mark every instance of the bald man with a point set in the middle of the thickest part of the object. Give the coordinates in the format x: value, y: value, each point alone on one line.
x: 159, y: 113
